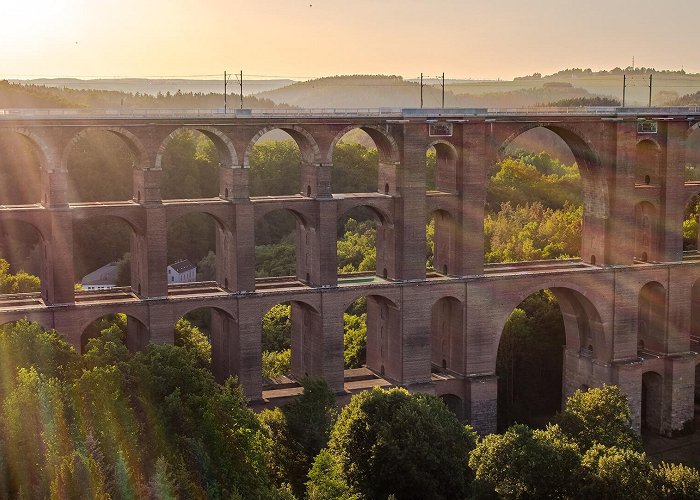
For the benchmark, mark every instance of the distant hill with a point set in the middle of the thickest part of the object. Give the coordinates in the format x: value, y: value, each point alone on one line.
x: 15, y: 95
x: 155, y: 86
x: 375, y: 91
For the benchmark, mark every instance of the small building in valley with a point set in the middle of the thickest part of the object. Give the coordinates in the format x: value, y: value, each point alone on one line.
x: 103, y: 278
x: 182, y: 271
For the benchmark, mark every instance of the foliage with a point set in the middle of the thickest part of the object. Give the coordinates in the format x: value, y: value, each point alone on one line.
x: 192, y: 338
x: 277, y: 328
x: 616, y: 473
x: 357, y: 249
x: 677, y: 482
x: 297, y: 432
x: 599, y: 415
x: 20, y: 282
x: 276, y: 363
x: 275, y: 168
x: 532, y: 232
x: 391, y: 442
x: 354, y: 340
x: 525, y: 463
x: 355, y: 168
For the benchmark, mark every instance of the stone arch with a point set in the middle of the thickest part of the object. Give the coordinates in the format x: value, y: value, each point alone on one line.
x: 137, y: 334
x: 222, y: 332
x: 594, y: 183
x: 448, y: 334
x: 446, y: 170
x: 130, y: 140
x: 385, y: 142
x: 445, y: 252
x: 583, y: 323
x: 454, y: 403
x: 45, y: 153
x: 263, y: 210
x: 385, y: 241
x: 224, y: 146
x: 43, y: 321
x: 310, y: 152
x: 581, y: 147
x: 379, y: 213
x: 10, y: 225
x: 647, y: 168
x: 652, y: 401
x: 646, y: 232
x: 651, y: 317
x: 383, y: 332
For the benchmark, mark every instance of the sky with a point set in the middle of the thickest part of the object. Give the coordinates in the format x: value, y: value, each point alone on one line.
x: 480, y: 39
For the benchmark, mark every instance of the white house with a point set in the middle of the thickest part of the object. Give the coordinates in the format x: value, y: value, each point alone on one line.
x: 182, y: 271
x: 103, y: 278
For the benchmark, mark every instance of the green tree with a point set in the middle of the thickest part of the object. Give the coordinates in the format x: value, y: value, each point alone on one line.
x: 599, y: 415
x: 616, y: 473
x: 527, y: 464
x: 677, y: 482
x: 354, y: 340
x: 392, y: 442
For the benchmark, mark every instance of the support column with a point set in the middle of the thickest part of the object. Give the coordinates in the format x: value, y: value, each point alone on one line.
x: 481, y: 403
x: 478, y: 154
x: 245, y: 358
x: 673, y: 193
x: 409, y: 206
x: 316, y: 180
x: 619, y: 237
x: 415, y: 336
x: 60, y: 274
x: 678, y: 395
x: 317, y: 262
x: 149, y: 262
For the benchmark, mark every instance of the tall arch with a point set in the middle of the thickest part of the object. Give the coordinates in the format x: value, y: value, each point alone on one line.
x: 447, y: 334
x: 554, y: 366
x: 651, y: 318
x: 444, y: 176
x: 647, y: 170
x: 23, y: 168
x: 652, y: 401
x: 384, y: 238
x: 646, y: 232
x: 25, y: 246
x: 444, y: 253
x: 284, y: 244
x: 594, y: 184
x: 133, y: 329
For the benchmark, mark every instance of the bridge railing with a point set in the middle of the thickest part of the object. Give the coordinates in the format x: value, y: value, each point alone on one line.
x: 37, y: 113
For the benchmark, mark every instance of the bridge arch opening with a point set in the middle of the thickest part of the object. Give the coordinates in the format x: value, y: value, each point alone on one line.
x: 103, y: 247
x: 691, y: 219
x: 291, y: 343
x: 647, y: 170
x: 651, y: 327
x: 212, y: 334
x: 447, y: 335
x: 365, y: 160
x: 21, y: 172
x: 546, y: 179
x: 120, y: 327
x: 455, y: 404
x: 283, y: 246
x: 198, y: 250
x: 652, y: 401
x: 546, y: 332
x: 355, y: 163
x: 441, y: 167
x: 376, y: 320
x: 365, y: 242
x: 24, y: 249
x: 695, y: 312
x: 692, y: 155
x: 190, y: 161
x: 100, y: 165
x: 441, y: 238
x: 646, y: 232
x: 279, y: 159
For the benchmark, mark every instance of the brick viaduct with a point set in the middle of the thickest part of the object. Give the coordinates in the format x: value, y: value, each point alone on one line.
x: 631, y: 304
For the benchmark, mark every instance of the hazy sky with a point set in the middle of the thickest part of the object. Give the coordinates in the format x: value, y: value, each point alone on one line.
x: 307, y: 38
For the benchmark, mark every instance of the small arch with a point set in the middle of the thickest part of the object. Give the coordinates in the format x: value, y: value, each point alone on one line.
x: 592, y: 260
x: 447, y: 334
x: 133, y: 330
x: 310, y: 152
x: 441, y: 167
x: 385, y: 142
x: 386, y: 188
x: 648, y: 162
x: 308, y: 191
x: 455, y: 404
x: 441, y: 242
x: 647, y: 179
x: 651, y: 317
x: 652, y: 401
x: 385, y: 274
x: 224, y: 146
